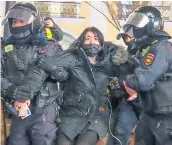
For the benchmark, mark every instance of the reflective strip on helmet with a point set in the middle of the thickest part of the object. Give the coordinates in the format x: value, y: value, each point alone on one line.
x: 48, y: 33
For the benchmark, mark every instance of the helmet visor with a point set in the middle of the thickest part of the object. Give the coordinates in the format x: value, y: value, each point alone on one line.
x: 20, y: 14
x: 137, y: 19
x: 127, y: 30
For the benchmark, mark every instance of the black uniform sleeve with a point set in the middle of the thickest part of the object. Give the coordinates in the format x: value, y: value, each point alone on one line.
x: 153, y: 65
x: 57, y: 33
x: 5, y: 83
x: 58, y: 66
x: 35, y: 78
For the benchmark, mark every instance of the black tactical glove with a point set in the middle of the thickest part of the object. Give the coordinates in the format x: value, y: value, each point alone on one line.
x: 114, y: 83
x: 22, y: 93
x: 60, y: 74
x: 116, y: 88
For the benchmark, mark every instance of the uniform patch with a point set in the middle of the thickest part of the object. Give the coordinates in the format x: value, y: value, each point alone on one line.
x: 9, y: 48
x: 149, y: 59
x: 42, y: 51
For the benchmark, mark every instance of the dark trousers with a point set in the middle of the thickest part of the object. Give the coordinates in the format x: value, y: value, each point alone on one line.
x: 87, y: 138
x: 37, y: 129
x: 154, y: 129
x: 125, y: 119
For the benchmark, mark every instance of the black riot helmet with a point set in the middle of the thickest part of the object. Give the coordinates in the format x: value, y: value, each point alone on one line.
x: 24, y: 11
x: 145, y: 20
x: 143, y: 23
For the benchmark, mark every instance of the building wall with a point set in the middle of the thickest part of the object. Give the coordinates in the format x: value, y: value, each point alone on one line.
x: 2, y: 15
x: 94, y: 18
x: 75, y: 26
x: 88, y: 17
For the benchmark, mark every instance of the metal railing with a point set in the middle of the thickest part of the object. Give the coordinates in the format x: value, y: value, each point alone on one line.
x: 59, y: 9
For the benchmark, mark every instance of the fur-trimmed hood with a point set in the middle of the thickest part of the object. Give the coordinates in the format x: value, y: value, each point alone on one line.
x: 122, y: 53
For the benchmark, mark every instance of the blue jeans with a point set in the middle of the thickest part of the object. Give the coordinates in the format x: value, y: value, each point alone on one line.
x: 125, y: 120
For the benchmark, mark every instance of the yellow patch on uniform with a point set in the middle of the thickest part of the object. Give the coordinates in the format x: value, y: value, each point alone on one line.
x: 149, y: 59
x: 8, y: 48
x: 48, y: 33
x: 107, y: 91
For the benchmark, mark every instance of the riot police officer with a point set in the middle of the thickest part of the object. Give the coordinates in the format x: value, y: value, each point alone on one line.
x: 153, y: 76
x: 27, y: 87
x: 127, y: 112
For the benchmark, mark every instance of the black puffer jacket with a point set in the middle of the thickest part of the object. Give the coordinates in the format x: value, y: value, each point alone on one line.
x: 85, y: 89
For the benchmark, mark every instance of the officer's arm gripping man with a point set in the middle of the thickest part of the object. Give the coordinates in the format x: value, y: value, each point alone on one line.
x: 36, y: 76
x: 59, y: 66
x: 155, y: 63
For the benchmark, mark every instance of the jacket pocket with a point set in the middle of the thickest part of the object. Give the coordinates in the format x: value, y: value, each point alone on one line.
x: 83, y: 104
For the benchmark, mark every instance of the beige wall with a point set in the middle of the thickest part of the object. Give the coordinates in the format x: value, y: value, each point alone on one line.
x: 76, y: 25
x: 2, y: 15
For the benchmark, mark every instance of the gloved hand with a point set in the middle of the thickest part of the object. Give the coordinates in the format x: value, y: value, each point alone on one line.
x: 114, y: 83
x: 60, y: 74
x: 46, y: 63
x: 115, y: 88
x: 22, y: 93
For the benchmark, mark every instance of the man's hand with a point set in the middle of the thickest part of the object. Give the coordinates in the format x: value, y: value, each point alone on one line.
x: 60, y: 74
x: 22, y: 107
x: 131, y: 92
x: 49, y: 23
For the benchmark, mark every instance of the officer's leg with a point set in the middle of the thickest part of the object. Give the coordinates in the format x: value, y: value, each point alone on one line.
x: 163, y: 130
x: 44, y: 131
x: 87, y: 138
x: 143, y: 135
x: 125, y: 121
x: 18, y: 134
x: 62, y: 139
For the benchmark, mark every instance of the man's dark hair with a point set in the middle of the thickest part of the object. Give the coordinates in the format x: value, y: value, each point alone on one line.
x: 48, y: 18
